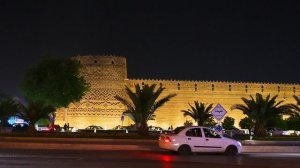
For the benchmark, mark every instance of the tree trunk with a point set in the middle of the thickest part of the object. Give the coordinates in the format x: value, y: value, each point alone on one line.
x: 143, y: 129
x: 31, y: 128
x: 249, y: 129
x: 259, y: 129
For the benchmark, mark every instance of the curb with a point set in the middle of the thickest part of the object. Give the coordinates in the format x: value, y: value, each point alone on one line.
x: 271, y: 149
x: 131, y: 144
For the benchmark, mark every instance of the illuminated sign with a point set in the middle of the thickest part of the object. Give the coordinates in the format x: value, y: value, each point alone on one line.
x: 218, y: 112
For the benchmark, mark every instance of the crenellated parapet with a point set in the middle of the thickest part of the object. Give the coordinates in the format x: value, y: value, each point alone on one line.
x: 103, y: 71
x: 224, y: 86
x: 107, y: 76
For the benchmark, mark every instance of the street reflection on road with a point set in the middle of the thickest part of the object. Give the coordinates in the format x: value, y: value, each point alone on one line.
x: 251, y: 159
x: 144, y: 159
x: 166, y: 159
x: 154, y: 156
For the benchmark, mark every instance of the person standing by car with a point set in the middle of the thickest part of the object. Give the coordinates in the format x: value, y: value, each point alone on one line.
x: 65, y: 127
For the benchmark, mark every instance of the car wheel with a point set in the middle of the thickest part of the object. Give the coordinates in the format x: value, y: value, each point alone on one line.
x: 184, y: 150
x: 231, y: 150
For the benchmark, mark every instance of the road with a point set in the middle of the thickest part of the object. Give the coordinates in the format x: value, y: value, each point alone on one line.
x: 10, y: 158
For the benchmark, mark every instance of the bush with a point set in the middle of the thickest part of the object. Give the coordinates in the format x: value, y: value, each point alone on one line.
x: 188, y: 123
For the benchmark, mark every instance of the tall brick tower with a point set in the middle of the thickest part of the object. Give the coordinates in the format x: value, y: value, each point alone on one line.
x: 106, y: 75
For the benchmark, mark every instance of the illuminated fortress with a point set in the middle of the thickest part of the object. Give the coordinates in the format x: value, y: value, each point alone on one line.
x: 107, y: 76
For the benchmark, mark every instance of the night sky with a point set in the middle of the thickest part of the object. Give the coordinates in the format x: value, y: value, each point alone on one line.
x: 239, y: 40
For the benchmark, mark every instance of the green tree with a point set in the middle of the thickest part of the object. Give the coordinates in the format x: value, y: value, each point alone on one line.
x: 297, y: 98
x: 295, y: 107
x: 211, y: 122
x: 8, y: 107
x: 142, y: 104
x: 188, y: 123
x: 228, y: 122
x: 200, y: 113
x: 54, y: 82
x: 261, y: 110
x: 247, y: 123
x: 293, y: 122
x: 277, y: 121
x: 36, y: 111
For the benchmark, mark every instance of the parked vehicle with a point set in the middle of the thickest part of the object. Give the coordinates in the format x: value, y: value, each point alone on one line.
x: 42, y: 128
x: 130, y: 127
x: 19, y: 127
x: 119, y: 127
x: 274, y: 131
x: 198, y: 139
x: 91, y: 128
x: 154, y: 128
x: 94, y: 127
x: 233, y: 132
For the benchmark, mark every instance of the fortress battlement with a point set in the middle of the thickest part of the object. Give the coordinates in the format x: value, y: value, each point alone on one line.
x: 98, y: 60
x: 107, y: 76
x: 247, y: 87
x: 212, y: 81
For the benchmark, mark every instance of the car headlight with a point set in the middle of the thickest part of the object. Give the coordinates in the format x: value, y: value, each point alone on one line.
x: 240, y: 144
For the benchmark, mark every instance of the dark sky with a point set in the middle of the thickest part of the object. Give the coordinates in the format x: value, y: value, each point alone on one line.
x: 187, y: 40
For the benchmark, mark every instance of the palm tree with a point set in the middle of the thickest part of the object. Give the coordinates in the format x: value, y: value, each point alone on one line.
x: 297, y: 98
x: 8, y: 107
x: 295, y: 107
x: 143, y: 104
x: 261, y: 110
x: 200, y: 113
x: 36, y: 111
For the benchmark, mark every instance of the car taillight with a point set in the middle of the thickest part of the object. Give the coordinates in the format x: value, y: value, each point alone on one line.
x: 167, y: 139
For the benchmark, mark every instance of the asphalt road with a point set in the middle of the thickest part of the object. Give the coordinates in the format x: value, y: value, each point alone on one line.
x: 10, y: 158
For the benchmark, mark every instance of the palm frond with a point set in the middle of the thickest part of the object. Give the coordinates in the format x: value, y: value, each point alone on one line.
x: 262, y: 110
x: 125, y: 102
x: 143, y: 102
x: 161, y: 102
x: 200, y: 112
x: 297, y: 98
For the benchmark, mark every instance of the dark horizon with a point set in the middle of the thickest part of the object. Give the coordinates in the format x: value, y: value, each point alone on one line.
x: 256, y: 41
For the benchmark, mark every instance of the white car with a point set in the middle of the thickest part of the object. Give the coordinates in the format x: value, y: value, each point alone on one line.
x: 198, y: 139
x: 42, y: 128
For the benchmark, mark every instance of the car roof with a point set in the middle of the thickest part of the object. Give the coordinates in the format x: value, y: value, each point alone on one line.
x: 196, y: 127
x: 189, y: 127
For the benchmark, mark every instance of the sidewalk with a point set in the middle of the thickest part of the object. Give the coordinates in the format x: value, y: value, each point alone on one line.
x: 271, y: 146
x: 129, y: 144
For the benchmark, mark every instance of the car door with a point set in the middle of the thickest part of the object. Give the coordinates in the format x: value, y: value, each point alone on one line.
x: 213, y: 142
x: 195, y: 140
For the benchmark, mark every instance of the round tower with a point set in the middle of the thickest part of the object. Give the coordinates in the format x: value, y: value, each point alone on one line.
x: 106, y: 76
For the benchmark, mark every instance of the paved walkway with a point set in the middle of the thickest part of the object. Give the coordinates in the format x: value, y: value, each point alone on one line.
x: 129, y: 144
